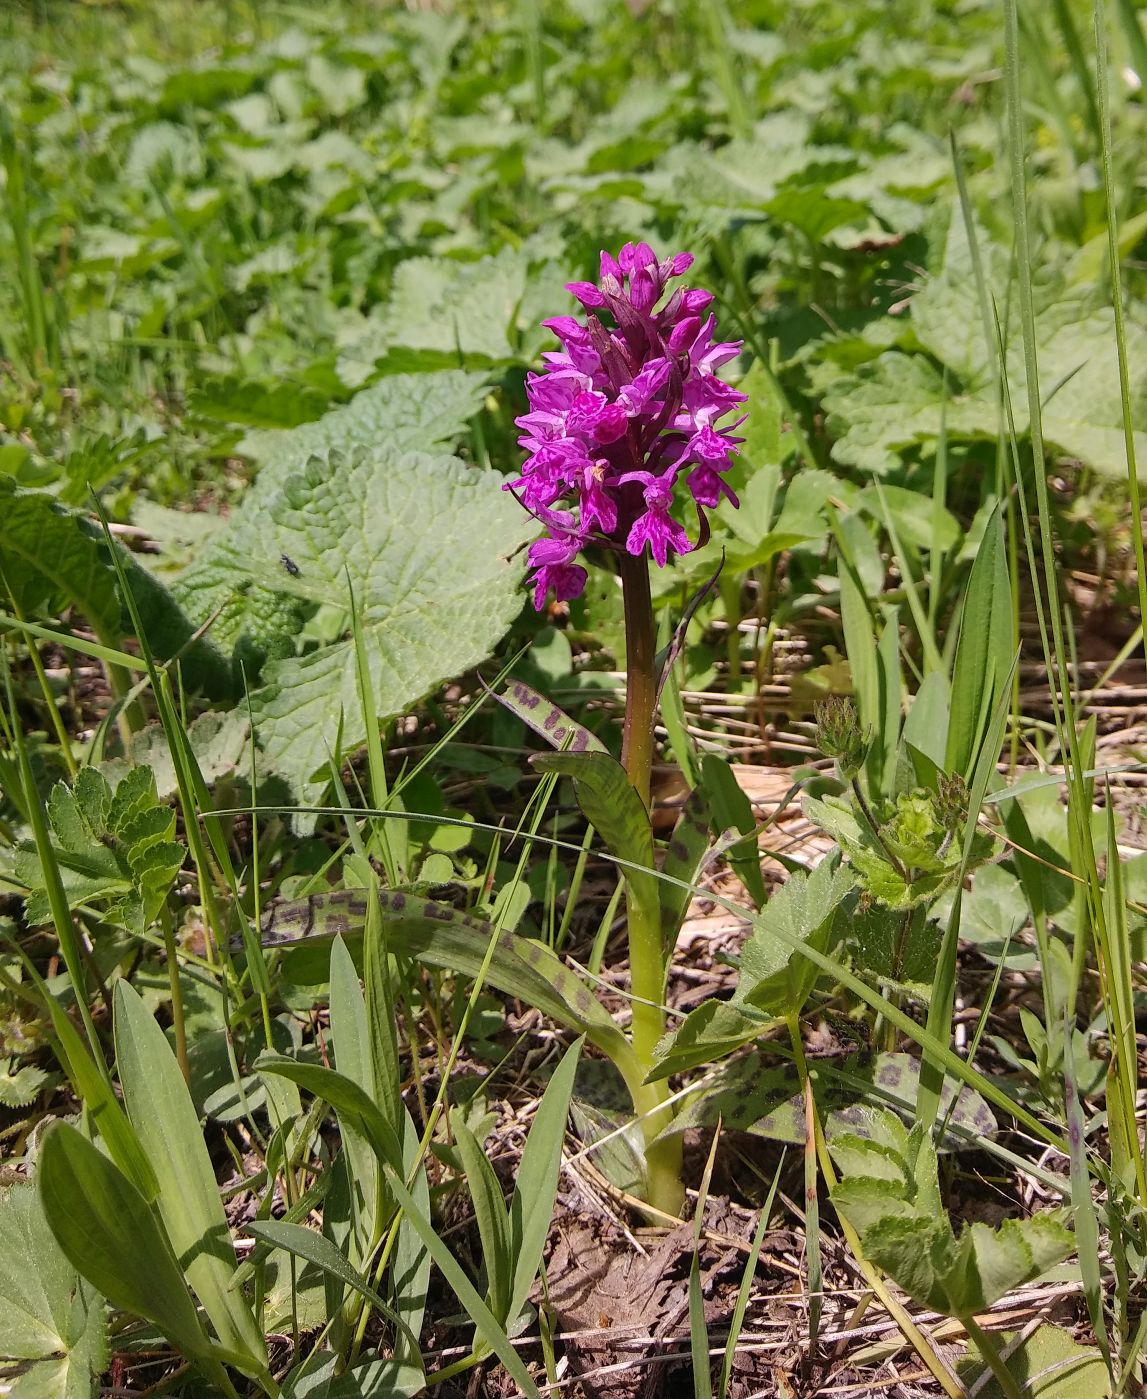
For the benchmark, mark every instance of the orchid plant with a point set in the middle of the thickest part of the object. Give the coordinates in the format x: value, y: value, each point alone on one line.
x: 630, y: 407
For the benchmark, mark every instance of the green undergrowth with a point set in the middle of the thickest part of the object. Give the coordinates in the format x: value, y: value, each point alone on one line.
x: 279, y: 880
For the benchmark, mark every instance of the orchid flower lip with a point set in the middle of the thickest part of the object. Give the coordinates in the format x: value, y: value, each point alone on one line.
x: 627, y: 411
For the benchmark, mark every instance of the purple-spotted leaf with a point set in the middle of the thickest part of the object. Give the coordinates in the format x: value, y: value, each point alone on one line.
x: 547, y: 720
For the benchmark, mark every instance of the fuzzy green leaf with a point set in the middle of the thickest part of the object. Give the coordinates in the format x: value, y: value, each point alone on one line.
x: 48, y: 1314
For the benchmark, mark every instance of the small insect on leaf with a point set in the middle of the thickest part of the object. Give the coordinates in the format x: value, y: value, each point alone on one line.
x: 290, y: 565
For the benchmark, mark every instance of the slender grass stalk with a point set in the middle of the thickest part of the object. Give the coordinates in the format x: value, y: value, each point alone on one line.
x: 70, y: 946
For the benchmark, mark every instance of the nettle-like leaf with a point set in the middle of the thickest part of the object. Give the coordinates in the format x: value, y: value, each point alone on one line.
x: 775, y: 978
x: 21, y: 1086
x: 48, y: 1314
x: 894, y: 1204
x: 115, y: 846
x: 427, y: 544
x: 402, y: 411
x: 895, y: 402
x: 910, y: 833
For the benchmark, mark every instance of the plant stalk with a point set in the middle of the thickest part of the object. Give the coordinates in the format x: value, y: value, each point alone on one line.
x: 646, y: 950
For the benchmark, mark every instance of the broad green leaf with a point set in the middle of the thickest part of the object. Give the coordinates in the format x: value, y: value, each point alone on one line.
x: 1049, y: 1364
x: 532, y: 1203
x: 160, y: 1109
x: 400, y: 525
x: 547, y: 720
x: 886, y: 734
x: 103, y: 1108
x: 460, y: 308
x: 926, y: 727
x: 897, y: 402
x: 859, y: 630
x: 485, y: 1323
x: 708, y: 1032
x: 615, y: 811
x: 985, y: 649
x: 48, y: 1314
x: 730, y: 807
x: 894, y: 1204
x: 403, y: 412
x: 113, y: 1238
x: 55, y: 558
x: 321, y: 1376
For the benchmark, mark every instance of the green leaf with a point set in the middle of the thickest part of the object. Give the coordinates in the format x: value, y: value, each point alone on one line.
x: 897, y: 402
x: 349, y: 1101
x: 1049, y: 1364
x: 103, y: 1108
x: 401, y: 526
x: 49, y: 1314
x: 116, y: 847
x: 55, y: 558
x: 532, y: 1203
x: 984, y: 651
x: 351, y: 1035
x: 112, y: 1237
x: 403, y: 412
x: 708, y: 1032
x: 684, y: 858
x: 493, y: 1221
x: 547, y: 720
x: 894, y: 1205
x: 160, y: 1109
x: 410, y: 1262
x: 615, y: 811
x: 775, y: 978
x: 314, y: 1248
x: 461, y: 308
x: 730, y: 807
x: 493, y: 1335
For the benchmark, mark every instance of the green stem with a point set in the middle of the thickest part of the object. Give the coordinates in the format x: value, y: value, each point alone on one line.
x: 646, y: 947
x: 177, y: 1019
x: 990, y: 1354
x: 640, y: 681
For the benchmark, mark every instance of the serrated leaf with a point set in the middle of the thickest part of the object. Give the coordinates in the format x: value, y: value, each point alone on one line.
x: 774, y: 978
x: 467, y: 308
x: 115, y: 847
x: 48, y: 1314
x: 893, y: 1202
x: 894, y: 403
x: 403, y: 412
x: 19, y: 1089
x: 428, y: 546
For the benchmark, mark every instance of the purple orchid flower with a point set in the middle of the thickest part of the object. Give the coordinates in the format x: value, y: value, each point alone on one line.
x: 619, y: 413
